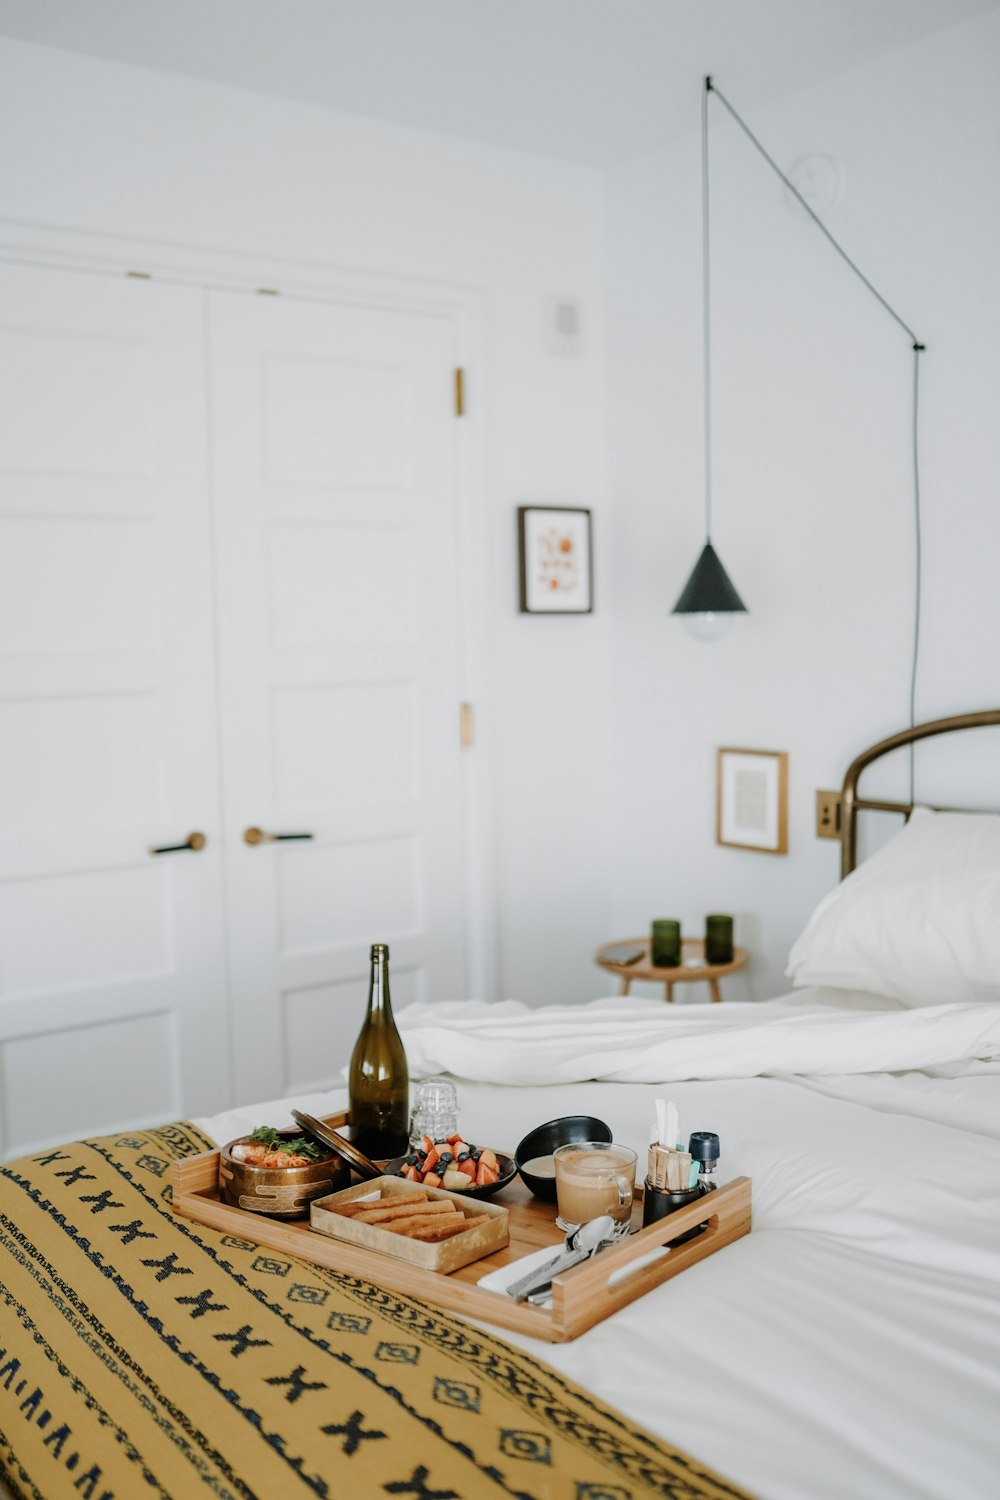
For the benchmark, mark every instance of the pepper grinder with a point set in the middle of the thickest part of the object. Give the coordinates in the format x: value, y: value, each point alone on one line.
x: 704, y: 1149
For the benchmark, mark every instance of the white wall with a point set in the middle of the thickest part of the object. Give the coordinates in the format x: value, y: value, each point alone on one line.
x: 602, y: 731
x: 812, y: 485
x: 113, y: 150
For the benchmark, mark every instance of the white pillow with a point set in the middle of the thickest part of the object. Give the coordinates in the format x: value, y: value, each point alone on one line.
x: 919, y: 921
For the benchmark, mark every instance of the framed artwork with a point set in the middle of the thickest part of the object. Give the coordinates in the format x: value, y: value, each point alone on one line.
x: 554, y: 557
x: 751, y: 802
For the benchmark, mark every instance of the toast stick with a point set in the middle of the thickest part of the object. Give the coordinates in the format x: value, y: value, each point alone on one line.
x: 363, y: 1205
x: 404, y: 1210
x: 421, y: 1222
x: 429, y: 1231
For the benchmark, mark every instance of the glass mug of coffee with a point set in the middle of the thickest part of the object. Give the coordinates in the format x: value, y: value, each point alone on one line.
x: 593, y: 1178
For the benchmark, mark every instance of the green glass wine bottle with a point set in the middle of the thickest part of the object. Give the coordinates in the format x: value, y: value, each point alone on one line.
x: 379, y: 1080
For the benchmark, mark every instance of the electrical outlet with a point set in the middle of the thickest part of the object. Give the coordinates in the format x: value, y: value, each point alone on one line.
x: 828, y: 815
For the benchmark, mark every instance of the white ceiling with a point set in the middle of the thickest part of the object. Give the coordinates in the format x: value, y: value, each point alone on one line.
x: 592, y: 81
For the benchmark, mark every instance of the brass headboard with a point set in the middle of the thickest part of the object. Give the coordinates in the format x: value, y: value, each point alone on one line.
x: 851, y: 804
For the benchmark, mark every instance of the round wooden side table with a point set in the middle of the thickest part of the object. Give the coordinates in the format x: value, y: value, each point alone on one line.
x: 692, y: 966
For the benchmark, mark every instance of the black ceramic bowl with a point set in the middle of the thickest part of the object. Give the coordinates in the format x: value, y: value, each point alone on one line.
x: 508, y: 1171
x: 544, y: 1139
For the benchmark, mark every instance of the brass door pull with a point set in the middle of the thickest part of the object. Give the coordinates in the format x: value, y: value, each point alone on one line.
x: 258, y: 836
x: 194, y: 841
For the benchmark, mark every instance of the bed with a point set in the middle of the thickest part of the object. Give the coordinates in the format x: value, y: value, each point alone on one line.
x: 849, y: 1346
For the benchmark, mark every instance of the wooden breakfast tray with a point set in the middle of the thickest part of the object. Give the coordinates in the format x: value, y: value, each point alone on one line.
x: 581, y: 1297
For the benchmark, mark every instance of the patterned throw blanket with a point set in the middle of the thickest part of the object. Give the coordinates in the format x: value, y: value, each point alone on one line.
x: 141, y: 1355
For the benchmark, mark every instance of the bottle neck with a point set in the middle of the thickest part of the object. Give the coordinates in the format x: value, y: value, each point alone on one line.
x: 379, y: 1002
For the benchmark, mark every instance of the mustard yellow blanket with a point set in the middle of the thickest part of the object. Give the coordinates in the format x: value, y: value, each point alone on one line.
x: 143, y: 1356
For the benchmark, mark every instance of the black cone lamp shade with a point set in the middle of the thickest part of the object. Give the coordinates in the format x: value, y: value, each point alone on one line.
x: 709, y: 590
x: 708, y: 600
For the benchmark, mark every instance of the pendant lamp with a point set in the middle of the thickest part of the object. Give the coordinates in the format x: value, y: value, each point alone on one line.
x: 709, y: 603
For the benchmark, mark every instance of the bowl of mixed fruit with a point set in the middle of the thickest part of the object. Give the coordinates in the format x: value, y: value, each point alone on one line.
x: 456, y: 1165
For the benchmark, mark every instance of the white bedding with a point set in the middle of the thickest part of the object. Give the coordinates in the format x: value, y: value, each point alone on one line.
x: 850, y: 1345
x: 643, y: 1041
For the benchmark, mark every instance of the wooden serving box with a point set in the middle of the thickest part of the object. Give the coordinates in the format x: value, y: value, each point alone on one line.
x: 581, y: 1296
x: 449, y: 1255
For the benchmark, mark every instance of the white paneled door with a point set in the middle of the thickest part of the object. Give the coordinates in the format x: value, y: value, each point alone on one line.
x: 335, y: 475
x: 112, y: 971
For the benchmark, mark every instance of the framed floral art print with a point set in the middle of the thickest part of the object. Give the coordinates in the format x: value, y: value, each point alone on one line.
x: 556, y: 572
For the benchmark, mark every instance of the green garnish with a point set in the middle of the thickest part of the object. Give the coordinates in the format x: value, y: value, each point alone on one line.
x: 266, y: 1135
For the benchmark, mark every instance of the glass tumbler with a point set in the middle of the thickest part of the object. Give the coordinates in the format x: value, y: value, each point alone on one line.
x: 665, y: 943
x: 435, y: 1110
x: 718, y: 939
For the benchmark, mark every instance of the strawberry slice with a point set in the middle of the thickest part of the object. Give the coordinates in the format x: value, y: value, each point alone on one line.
x: 431, y: 1159
x: 485, y: 1175
x: 468, y: 1167
x: 413, y: 1174
x: 453, y: 1138
x: 427, y: 1144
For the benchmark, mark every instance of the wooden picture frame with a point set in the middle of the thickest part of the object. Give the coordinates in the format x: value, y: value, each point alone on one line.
x: 751, y: 800
x: 555, y: 562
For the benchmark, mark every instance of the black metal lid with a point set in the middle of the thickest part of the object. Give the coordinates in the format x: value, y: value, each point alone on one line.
x: 704, y: 1145
x: 354, y: 1158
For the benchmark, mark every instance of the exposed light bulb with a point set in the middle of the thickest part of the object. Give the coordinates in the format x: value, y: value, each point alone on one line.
x: 709, y: 625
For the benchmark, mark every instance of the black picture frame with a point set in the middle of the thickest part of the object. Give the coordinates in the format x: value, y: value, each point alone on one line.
x: 552, y: 575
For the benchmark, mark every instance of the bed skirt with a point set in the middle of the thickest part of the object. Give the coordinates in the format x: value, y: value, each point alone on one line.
x: 142, y: 1355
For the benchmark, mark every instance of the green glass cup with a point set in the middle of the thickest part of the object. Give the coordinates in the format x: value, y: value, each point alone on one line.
x: 718, y: 939
x: 665, y: 944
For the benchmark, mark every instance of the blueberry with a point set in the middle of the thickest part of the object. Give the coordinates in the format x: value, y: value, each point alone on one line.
x: 446, y: 1158
x: 463, y: 1156
x: 475, y: 1153
x: 411, y: 1160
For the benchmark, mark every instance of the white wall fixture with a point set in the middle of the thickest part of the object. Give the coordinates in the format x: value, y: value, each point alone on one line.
x: 562, y: 319
x: 818, y: 180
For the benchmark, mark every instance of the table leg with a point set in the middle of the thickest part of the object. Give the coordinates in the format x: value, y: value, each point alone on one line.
x: 623, y: 988
x: 669, y: 991
x: 713, y: 985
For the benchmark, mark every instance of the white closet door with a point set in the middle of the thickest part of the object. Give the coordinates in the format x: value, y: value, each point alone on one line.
x: 334, y: 463
x: 112, y: 973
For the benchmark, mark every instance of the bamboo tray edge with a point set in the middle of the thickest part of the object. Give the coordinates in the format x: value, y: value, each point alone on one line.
x: 581, y: 1297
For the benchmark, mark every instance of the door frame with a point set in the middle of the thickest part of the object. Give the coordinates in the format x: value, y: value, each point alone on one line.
x: 206, y: 268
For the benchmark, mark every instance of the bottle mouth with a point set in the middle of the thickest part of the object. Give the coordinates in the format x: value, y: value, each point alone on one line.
x: 380, y: 950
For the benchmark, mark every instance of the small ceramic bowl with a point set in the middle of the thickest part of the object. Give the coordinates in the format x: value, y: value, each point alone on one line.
x: 544, y: 1139
x: 278, y: 1192
x: 508, y: 1171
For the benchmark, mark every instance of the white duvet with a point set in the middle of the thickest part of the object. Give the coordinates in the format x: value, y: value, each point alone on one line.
x: 850, y: 1345
x: 644, y: 1041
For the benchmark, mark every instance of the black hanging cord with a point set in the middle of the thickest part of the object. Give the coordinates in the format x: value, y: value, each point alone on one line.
x: 706, y: 315
x: 918, y: 349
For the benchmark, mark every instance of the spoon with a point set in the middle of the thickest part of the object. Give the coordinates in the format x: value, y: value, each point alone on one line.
x: 579, y: 1245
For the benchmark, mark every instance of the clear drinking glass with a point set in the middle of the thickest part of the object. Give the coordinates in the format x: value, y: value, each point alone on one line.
x: 435, y: 1110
